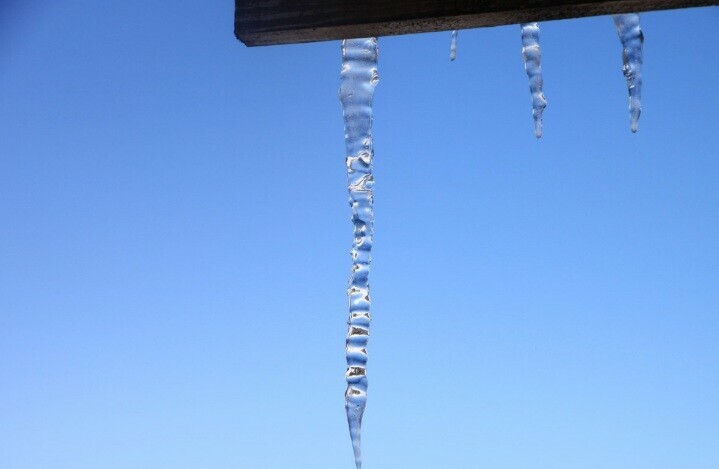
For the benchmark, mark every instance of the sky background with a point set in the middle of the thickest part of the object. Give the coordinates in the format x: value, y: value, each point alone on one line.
x: 175, y: 235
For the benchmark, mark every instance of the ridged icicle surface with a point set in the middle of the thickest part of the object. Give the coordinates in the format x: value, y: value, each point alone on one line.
x: 532, y: 55
x: 358, y: 80
x: 632, y: 38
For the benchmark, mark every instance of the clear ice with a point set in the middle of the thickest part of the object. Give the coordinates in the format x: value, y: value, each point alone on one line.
x: 532, y: 55
x: 453, y: 47
x: 632, y: 38
x: 358, y: 80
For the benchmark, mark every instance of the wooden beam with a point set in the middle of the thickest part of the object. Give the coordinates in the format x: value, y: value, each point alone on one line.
x: 268, y: 22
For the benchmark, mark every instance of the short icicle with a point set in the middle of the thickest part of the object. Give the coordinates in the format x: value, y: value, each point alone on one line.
x: 453, y: 46
x: 632, y: 38
x: 358, y: 80
x: 532, y: 55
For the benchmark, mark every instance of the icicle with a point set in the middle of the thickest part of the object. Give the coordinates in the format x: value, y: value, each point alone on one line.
x: 532, y: 55
x: 358, y: 80
x: 632, y: 38
x: 453, y: 47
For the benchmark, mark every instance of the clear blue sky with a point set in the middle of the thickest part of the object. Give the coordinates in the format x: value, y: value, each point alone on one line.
x: 174, y: 238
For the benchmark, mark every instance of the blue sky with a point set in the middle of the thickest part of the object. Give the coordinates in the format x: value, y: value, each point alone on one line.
x: 174, y: 238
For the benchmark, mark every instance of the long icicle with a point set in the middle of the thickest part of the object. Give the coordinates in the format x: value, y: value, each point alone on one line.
x: 532, y: 55
x: 453, y: 46
x: 359, y: 78
x: 632, y: 38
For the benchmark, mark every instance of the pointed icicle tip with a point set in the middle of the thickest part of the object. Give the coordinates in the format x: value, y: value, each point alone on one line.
x: 355, y: 410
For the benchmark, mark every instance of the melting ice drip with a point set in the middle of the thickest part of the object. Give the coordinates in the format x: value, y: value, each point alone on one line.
x: 630, y: 33
x: 358, y: 80
x: 453, y: 46
x: 532, y: 55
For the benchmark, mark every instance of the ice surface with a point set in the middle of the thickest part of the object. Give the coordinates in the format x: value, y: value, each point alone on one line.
x: 532, y: 55
x: 632, y: 38
x: 358, y: 80
x: 453, y: 46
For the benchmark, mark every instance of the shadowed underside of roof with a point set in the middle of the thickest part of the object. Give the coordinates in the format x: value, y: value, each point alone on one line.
x: 269, y: 22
